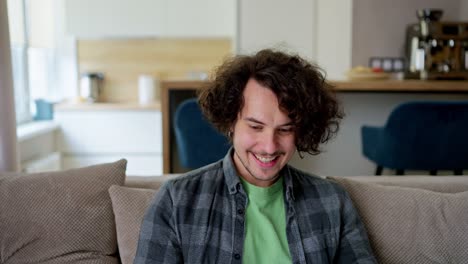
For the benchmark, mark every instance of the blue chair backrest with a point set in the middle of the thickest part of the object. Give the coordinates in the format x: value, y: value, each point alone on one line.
x: 198, y: 142
x: 434, y: 131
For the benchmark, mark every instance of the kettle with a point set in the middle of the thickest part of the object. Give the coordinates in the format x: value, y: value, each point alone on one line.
x: 91, y: 86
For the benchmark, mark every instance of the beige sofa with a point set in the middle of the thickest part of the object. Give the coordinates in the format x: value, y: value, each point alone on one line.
x: 93, y: 215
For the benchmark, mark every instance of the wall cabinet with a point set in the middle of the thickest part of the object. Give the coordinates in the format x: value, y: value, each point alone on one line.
x: 150, y: 18
x: 267, y: 24
x: 201, y: 18
x: 96, y: 136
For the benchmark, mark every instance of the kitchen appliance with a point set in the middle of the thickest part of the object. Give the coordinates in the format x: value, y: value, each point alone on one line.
x: 435, y: 49
x: 91, y: 86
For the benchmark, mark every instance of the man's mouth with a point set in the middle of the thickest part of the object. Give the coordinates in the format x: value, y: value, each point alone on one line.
x: 266, y: 160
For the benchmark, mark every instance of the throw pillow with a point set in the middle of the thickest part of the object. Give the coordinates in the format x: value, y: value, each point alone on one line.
x: 129, y: 206
x: 59, y: 217
x: 408, y: 225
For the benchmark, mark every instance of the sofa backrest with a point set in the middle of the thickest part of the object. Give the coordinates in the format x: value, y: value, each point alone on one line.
x: 151, y: 182
x: 412, y: 219
x: 446, y: 184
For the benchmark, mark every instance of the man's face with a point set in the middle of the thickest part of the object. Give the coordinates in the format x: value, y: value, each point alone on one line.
x: 263, y: 138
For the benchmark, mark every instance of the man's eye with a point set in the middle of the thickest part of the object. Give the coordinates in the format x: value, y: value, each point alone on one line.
x: 256, y: 127
x: 285, y: 130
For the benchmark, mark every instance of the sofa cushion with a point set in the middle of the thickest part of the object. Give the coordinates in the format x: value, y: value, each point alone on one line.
x: 129, y: 206
x: 409, y: 225
x: 59, y: 217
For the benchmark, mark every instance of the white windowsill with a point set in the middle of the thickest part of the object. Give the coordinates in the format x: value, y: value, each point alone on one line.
x: 34, y: 129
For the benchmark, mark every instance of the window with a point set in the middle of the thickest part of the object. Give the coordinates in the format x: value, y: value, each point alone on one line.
x: 33, y: 52
x: 20, y: 83
x: 19, y: 59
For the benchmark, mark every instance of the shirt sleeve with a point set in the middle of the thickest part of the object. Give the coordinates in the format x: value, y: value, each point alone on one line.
x: 354, y: 243
x: 158, y: 242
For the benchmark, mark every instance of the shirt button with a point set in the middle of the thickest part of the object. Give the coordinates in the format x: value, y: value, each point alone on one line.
x: 240, y: 211
x: 237, y: 256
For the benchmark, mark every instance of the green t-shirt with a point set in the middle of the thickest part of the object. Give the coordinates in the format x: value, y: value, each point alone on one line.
x: 265, y: 225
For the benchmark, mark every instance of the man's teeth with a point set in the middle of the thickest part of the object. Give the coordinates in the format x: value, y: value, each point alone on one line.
x: 265, y: 160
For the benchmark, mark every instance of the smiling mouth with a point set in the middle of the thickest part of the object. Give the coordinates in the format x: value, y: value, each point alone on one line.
x: 270, y: 160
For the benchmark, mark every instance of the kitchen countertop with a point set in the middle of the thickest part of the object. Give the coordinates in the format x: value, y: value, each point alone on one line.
x: 130, y: 106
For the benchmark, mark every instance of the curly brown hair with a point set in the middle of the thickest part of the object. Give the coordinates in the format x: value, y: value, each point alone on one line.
x: 300, y: 87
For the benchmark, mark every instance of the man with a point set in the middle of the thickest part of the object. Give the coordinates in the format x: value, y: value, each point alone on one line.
x: 251, y: 206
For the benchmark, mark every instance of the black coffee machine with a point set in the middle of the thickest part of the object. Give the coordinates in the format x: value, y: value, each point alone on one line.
x: 436, y: 50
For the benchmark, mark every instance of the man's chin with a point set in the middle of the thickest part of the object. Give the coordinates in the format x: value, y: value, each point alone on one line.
x: 266, y: 177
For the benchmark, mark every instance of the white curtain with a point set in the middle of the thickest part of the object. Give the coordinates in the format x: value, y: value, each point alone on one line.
x: 8, y: 139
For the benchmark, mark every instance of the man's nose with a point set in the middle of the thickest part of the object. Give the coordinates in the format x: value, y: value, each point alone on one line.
x: 270, y: 145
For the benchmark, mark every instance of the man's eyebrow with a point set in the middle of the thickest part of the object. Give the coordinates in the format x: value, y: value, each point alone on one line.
x: 251, y: 119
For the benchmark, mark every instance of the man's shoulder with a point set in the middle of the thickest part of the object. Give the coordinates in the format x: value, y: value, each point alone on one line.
x: 307, y: 182
x: 202, y: 179
x: 306, y: 178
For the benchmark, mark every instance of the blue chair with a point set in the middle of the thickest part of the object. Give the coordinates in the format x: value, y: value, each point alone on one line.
x: 420, y: 136
x: 198, y: 142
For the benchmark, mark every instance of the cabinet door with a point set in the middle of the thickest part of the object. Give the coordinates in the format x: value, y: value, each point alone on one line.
x: 150, y: 18
x: 93, y: 137
x: 277, y: 23
x: 201, y: 18
x: 110, y: 132
x: 115, y: 18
